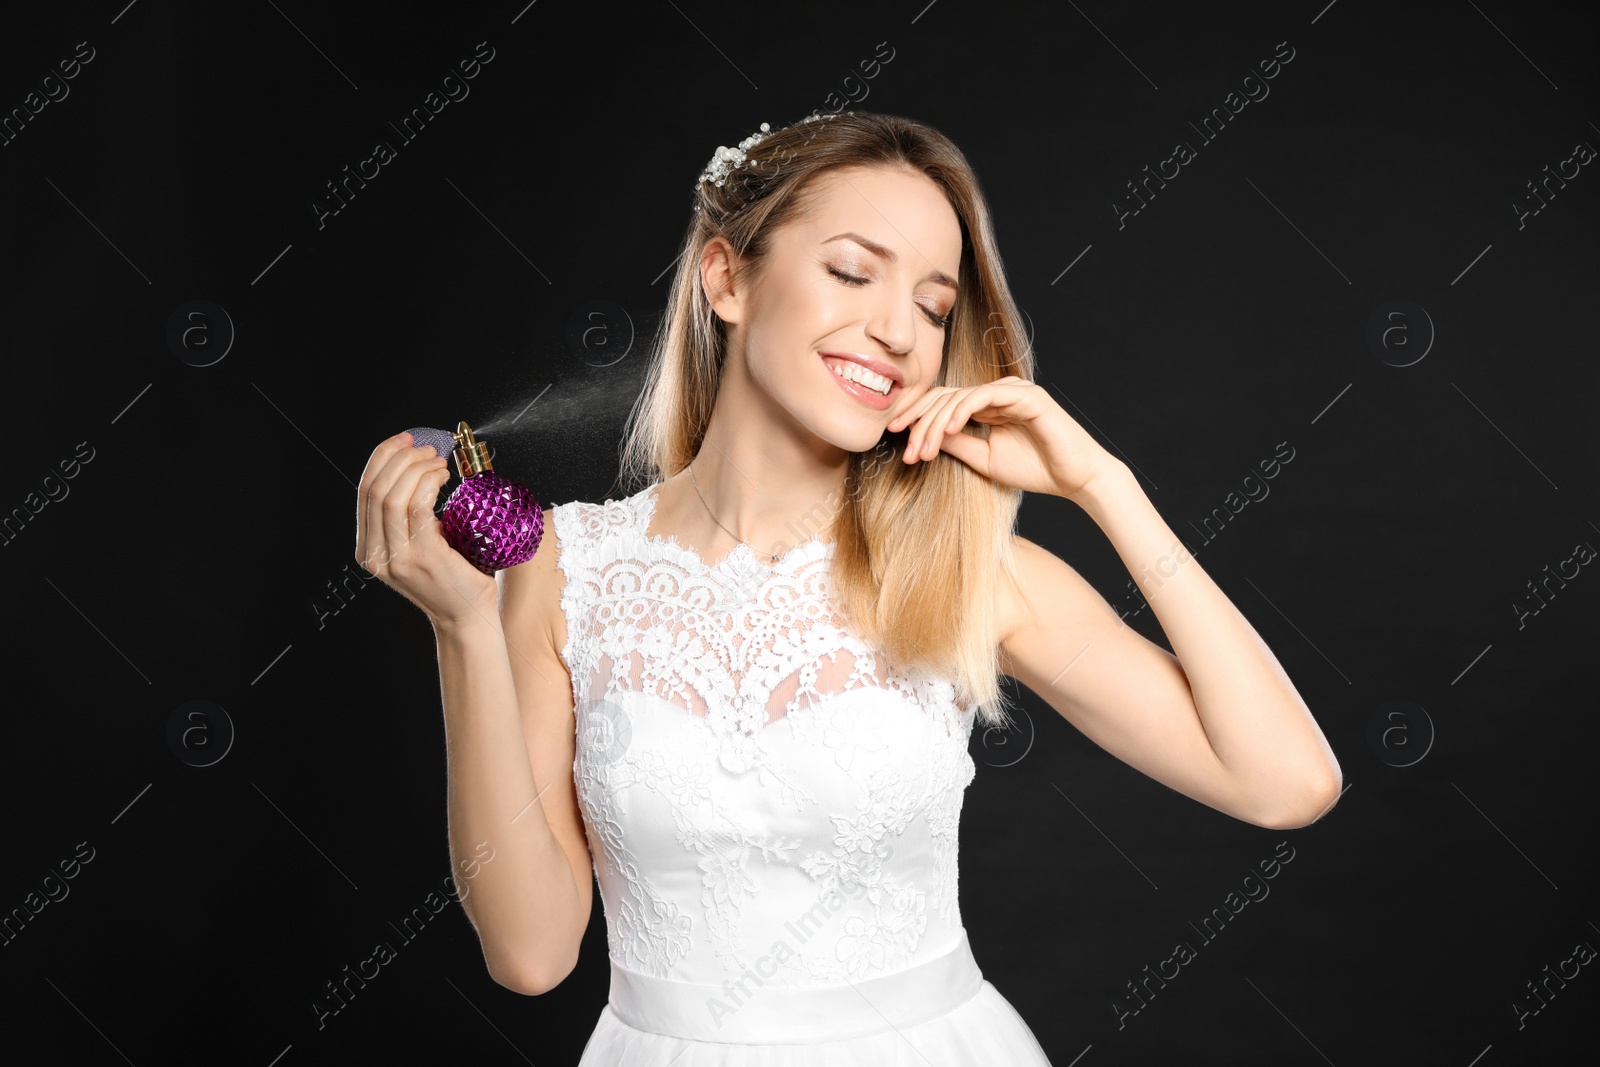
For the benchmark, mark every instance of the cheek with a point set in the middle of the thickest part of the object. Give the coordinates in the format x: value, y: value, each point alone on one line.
x: 778, y: 323
x: 931, y: 361
x: 784, y: 341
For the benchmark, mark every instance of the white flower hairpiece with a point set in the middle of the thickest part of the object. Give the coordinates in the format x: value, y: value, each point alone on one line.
x: 725, y: 160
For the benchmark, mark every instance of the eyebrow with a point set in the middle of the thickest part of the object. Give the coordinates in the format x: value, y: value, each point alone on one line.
x: 877, y: 249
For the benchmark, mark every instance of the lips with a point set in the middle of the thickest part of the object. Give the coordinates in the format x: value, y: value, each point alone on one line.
x: 877, y: 366
x: 867, y: 397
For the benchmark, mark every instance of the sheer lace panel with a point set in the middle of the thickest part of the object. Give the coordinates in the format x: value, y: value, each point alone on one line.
x: 748, y: 640
x: 672, y: 677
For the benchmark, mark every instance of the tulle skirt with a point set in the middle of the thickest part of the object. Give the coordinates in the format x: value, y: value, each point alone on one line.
x: 940, y: 1013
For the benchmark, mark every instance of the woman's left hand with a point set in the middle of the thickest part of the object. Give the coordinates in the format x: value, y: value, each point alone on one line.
x: 1033, y: 444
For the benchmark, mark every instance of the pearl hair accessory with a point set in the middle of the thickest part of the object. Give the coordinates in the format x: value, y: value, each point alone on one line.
x: 727, y: 160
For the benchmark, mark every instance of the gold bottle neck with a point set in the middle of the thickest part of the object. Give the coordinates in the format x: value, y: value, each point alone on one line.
x: 472, y: 455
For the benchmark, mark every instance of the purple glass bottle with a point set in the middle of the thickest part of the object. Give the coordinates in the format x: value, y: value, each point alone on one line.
x: 492, y: 520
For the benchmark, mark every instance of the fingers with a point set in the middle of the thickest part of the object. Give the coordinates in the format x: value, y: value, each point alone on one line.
x: 910, y: 414
x: 917, y: 440
x: 914, y: 437
x: 950, y: 410
x: 383, y: 540
x: 369, y: 534
x: 389, y: 481
x: 397, y: 483
x: 929, y: 434
x: 421, y: 521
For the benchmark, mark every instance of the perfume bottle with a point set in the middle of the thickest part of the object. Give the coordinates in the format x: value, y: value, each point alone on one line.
x: 492, y: 520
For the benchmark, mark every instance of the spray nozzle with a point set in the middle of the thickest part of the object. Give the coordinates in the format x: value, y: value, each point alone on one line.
x: 471, y: 454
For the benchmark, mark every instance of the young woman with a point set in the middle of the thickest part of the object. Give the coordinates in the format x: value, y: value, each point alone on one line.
x: 742, y: 695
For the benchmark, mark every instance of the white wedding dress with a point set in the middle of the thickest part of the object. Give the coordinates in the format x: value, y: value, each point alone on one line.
x: 772, y: 816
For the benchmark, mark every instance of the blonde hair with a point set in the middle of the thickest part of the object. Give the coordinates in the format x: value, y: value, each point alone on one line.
x: 928, y: 601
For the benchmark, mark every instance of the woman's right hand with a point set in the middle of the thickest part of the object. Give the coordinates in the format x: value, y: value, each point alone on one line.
x: 400, y: 541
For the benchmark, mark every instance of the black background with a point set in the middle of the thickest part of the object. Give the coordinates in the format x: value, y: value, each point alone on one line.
x: 1230, y: 315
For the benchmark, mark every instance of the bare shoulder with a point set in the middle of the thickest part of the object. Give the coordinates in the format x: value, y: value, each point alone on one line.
x: 1048, y: 592
x: 530, y: 593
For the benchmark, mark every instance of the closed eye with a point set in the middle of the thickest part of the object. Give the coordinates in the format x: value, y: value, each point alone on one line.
x: 852, y: 280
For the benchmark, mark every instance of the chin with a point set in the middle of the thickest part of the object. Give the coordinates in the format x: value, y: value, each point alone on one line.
x: 849, y: 430
x: 836, y: 419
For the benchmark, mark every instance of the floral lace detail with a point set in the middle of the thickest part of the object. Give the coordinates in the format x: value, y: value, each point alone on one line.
x: 757, y: 790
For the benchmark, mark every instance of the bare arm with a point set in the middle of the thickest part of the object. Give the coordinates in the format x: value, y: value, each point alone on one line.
x: 516, y: 837
x: 510, y: 745
x: 1217, y: 718
x: 1220, y: 722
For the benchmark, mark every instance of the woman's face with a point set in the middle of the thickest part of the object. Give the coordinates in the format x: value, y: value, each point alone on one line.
x: 824, y: 299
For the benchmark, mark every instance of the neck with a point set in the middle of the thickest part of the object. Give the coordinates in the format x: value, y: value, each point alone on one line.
x: 769, y: 481
x: 748, y: 502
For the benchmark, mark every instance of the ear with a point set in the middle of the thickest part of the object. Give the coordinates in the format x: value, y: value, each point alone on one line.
x: 717, y: 262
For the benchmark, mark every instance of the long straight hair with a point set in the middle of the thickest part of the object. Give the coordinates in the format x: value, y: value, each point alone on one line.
x: 919, y: 549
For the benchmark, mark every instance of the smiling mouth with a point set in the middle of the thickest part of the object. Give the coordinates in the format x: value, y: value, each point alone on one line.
x: 867, y: 380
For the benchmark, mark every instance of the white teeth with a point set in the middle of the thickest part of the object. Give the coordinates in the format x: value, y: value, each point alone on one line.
x: 855, y: 372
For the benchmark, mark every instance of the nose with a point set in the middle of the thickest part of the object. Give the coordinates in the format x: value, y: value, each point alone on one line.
x: 893, y: 323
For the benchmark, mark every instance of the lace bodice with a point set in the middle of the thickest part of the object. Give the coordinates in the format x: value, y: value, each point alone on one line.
x: 759, y: 790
